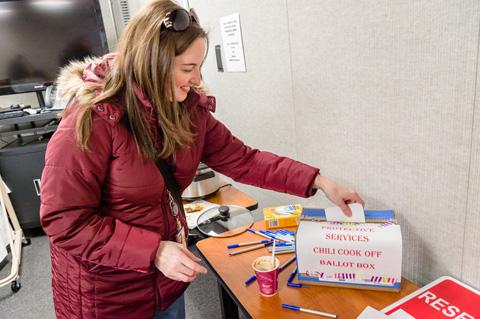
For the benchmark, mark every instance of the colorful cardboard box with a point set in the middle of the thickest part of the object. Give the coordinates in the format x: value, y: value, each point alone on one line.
x: 356, y: 255
x: 282, y: 216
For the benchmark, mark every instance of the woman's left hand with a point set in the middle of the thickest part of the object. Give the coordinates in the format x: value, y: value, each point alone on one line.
x: 338, y: 194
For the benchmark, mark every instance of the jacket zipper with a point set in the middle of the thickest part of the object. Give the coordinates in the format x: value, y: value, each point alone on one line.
x: 157, y: 299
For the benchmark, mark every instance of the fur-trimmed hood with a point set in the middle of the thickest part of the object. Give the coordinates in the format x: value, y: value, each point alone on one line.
x: 72, y: 83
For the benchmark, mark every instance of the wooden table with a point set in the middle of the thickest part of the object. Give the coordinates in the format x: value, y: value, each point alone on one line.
x: 232, y: 271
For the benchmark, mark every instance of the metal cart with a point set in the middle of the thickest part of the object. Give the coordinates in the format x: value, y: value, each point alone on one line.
x: 15, y: 238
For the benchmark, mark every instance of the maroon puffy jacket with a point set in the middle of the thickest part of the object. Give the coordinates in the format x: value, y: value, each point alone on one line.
x: 106, y: 209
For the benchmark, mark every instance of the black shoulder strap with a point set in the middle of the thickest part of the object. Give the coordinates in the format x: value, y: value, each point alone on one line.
x: 167, y: 171
x: 171, y: 183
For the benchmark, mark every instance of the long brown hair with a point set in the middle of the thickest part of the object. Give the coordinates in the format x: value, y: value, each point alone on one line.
x: 146, y: 57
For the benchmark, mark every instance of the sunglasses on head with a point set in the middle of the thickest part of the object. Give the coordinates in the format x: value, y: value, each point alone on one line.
x: 180, y: 19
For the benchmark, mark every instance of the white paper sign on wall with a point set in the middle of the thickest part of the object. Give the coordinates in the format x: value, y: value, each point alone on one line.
x: 232, y: 43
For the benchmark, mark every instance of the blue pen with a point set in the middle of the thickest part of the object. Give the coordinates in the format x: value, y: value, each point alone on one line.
x: 295, y: 285
x: 284, y: 244
x: 315, y: 312
x: 290, y: 278
x: 276, y: 236
x: 248, y: 243
x: 250, y: 280
x: 258, y: 233
x: 250, y: 249
x: 282, y: 252
x: 286, y: 238
x: 266, y: 233
x: 271, y: 235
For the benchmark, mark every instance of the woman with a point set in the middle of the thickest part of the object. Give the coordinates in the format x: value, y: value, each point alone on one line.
x: 115, y: 236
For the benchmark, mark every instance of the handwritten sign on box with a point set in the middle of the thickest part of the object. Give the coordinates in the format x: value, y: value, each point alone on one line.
x: 358, y: 255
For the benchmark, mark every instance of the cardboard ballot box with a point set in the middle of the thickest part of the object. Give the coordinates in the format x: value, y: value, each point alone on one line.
x: 364, y: 255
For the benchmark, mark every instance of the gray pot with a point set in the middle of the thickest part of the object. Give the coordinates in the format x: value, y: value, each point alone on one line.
x: 205, y: 182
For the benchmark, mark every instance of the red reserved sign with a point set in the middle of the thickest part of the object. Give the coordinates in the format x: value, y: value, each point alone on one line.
x: 443, y: 298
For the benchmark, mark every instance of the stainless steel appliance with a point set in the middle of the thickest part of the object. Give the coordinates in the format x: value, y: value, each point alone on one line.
x: 204, y: 183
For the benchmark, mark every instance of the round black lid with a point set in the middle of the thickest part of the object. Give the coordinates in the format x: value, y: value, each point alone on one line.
x: 225, y: 221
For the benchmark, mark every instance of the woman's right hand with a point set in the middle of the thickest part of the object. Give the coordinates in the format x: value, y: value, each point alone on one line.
x: 338, y: 194
x: 176, y: 262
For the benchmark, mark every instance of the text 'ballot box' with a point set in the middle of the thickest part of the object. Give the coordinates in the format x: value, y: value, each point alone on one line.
x: 365, y: 255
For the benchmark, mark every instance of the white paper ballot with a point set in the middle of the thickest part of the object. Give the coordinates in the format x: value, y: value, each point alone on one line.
x: 335, y: 214
x: 371, y: 313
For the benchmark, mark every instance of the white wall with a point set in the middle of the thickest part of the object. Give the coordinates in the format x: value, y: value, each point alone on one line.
x: 380, y: 95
